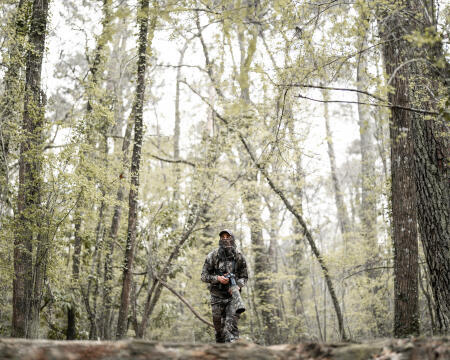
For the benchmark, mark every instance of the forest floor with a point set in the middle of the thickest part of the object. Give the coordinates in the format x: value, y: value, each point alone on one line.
x: 395, y: 349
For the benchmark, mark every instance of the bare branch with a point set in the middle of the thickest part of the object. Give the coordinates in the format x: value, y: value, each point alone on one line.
x: 370, y: 269
x: 332, y: 88
x: 179, y: 161
x: 420, y: 111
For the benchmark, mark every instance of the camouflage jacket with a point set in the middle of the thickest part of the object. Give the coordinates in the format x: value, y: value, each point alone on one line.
x: 216, y: 265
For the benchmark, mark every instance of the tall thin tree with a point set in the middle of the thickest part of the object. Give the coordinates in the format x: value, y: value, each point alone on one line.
x: 138, y: 107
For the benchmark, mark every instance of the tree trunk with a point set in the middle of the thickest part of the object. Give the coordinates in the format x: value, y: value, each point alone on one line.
x: 138, y: 107
x: 10, y: 108
x: 71, y: 312
x: 252, y: 204
x: 368, y: 210
x: 298, y: 247
x: 342, y: 214
x: 403, y: 189
x: 25, y: 310
x: 176, y: 131
x: 429, y: 86
x: 368, y: 179
x: 94, y: 69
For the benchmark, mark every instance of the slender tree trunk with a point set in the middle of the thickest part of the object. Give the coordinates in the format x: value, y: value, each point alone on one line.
x: 298, y: 247
x: 252, y: 205
x: 138, y: 106
x: 368, y: 211
x: 368, y: 180
x: 316, y: 310
x: 112, y: 236
x: 71, y: 312
x: 25, y: 311
x: 94, y: 70
x: 342, y: 214
x: 403, y: 188
x: 176, y: 131
x: 429, y: 303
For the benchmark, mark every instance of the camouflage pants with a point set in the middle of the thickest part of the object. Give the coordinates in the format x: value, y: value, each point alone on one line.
x: 224, y: 319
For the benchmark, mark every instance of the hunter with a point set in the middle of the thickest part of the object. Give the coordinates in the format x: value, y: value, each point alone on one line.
x: 219, y: 263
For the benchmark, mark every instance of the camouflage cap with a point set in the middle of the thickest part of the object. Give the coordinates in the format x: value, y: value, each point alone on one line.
x: 228, y: 232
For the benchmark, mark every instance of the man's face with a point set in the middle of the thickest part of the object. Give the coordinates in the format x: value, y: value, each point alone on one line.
x: 226, y: 240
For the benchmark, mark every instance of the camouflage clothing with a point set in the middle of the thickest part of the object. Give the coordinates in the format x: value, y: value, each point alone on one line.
x: 225, y: 319
x: 215, y: 264
x: 219, y: 262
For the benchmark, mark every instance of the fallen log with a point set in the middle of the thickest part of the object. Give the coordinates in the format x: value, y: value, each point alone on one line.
x: 415, y: 348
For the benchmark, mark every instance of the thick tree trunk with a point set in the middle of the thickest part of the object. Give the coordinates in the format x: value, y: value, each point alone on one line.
x: 25, y: 310
x: 433, y: 207
x: 138, y: 107
x: 10, y: 108
x: 429, y: 85
x: 403, y: 189
x: 415, y: 348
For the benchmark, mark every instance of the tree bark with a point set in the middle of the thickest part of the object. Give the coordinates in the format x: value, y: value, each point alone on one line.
x: 403, y: 189
x: 25, y: 292
x: 71, y: 312
x: 138, y: 107
x: 429, y: 86
x: 415, y: 348
x: 117, y: 212
x: 10, y: 108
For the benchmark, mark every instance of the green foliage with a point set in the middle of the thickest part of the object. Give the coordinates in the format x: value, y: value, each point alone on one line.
x: 255, y: 50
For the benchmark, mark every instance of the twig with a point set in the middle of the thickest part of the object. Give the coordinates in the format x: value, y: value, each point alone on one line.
x: 363, y: 270
x: 420, y: 111
x: 179, y: 161
x: 332, y: 88
x: 181, y: 66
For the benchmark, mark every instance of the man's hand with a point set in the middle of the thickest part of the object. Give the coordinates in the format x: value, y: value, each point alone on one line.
x: 223, y: 279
